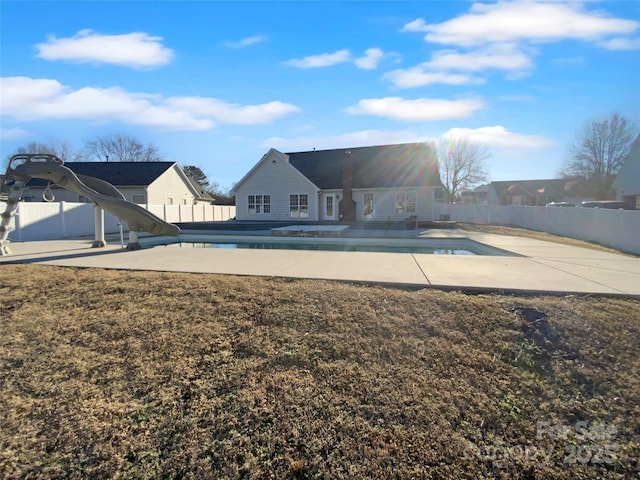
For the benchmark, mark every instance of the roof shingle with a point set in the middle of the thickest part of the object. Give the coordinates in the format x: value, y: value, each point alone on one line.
x: 116, y: 173
x: 409, y: 165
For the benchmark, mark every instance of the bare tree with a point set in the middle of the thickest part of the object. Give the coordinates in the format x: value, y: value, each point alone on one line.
x: 599, y: 150
x: 462, y: 165
x: 121, y: 148
x: 59, y: 148
x: 222, y: 195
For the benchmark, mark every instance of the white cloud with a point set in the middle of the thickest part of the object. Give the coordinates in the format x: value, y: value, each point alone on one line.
x: 498, y: 56
x: 495, y: 136
x: 137, y: 50
x: 322, y: 60
x: 352, y: 139
x: 17, y: 91
x: 372, y: 57
x: 499, y: 137
x: 418, y: 110
x: 501, y: 36
x: 535, y: 21
x: 10, y: 134
x: 450, y: 67
x: 246, y: 42
x: 25, y: 98
x: 233, y: 113
x: 417, y: 25
x: 621, y: 44
x: 417, y: 77
x: 516, y: 98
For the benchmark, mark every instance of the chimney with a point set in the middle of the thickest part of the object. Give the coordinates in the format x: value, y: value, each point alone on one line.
x: 347, y: 206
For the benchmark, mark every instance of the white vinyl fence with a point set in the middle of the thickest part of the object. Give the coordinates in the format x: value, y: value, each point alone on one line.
x: 57, y: 220
x: 618, y: 229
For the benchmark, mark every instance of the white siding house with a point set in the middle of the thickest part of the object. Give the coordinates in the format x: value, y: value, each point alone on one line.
x: 389, y: 183
x: 140, y: 182
x: 627, y: 183
x: 265, y: 192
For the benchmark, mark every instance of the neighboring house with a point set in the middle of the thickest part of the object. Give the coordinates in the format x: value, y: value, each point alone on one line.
x: 478, y: 195
x: 153, y: 183
x: 389, y: 182
x: 541, y: 192
x: 627, y: 183
x: 203, y: 195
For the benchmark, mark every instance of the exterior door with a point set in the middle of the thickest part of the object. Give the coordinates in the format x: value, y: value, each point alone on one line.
x: 329, y: 207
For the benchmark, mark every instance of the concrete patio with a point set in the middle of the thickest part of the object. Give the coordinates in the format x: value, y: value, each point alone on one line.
x: 539, y: 267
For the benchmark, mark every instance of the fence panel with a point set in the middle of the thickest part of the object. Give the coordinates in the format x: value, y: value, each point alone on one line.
x: 618, y: 229
x: 57, y: 220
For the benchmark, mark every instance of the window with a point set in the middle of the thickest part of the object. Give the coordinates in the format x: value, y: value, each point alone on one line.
x: 299, y: 205
x: 329, y: 207
x: 368, y: 205
x: 405, y: 202
x: 411, y: 202
x: 304, y: 206
x: 170, y: 200
x: 139, y: 199
x: 259, y: 204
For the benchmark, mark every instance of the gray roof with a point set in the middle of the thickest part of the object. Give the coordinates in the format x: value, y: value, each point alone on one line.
x: 119, y: 174
x: 553, y: 186
x: 408, y: 164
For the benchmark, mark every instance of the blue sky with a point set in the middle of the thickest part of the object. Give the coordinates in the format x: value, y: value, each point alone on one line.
x: 216, y: 84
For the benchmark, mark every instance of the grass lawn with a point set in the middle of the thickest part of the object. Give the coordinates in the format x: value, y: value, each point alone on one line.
x: 117, y: 374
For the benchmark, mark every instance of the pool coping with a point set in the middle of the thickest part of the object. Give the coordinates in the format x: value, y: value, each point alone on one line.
x: 540, y: 267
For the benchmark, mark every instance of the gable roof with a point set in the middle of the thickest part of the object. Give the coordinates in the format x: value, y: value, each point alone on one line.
x: 202, y: 193
x: 408, y: 164
x: 554, y: 186
x: 119, y: 174
x: 275, y: 156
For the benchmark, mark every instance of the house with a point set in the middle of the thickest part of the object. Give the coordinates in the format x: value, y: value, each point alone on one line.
x: 478, y: 195
x: 627, y: 183
x: 203, y: 195
x: 140, y: 182
x: 387, y: 182
x: 541, y: 192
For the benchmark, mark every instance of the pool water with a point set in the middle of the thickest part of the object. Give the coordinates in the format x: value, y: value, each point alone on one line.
x: 431, y: 246
x: 326, y: 247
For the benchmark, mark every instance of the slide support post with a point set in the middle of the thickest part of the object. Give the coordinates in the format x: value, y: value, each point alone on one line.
x: 99, y: 240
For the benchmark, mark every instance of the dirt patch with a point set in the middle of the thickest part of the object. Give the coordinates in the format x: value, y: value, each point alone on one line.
x: 144, y: 375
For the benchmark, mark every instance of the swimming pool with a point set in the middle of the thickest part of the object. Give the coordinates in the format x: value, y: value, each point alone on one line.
x: 430, y: 246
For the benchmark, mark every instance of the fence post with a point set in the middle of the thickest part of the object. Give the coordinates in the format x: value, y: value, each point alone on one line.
x: 62, y: 220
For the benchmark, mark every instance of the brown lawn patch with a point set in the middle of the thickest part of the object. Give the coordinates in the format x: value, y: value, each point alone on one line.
x: 113, y: 374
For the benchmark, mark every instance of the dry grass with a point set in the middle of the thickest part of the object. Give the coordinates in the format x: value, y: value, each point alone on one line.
x: 112, y: 374
x: 537, y: 235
